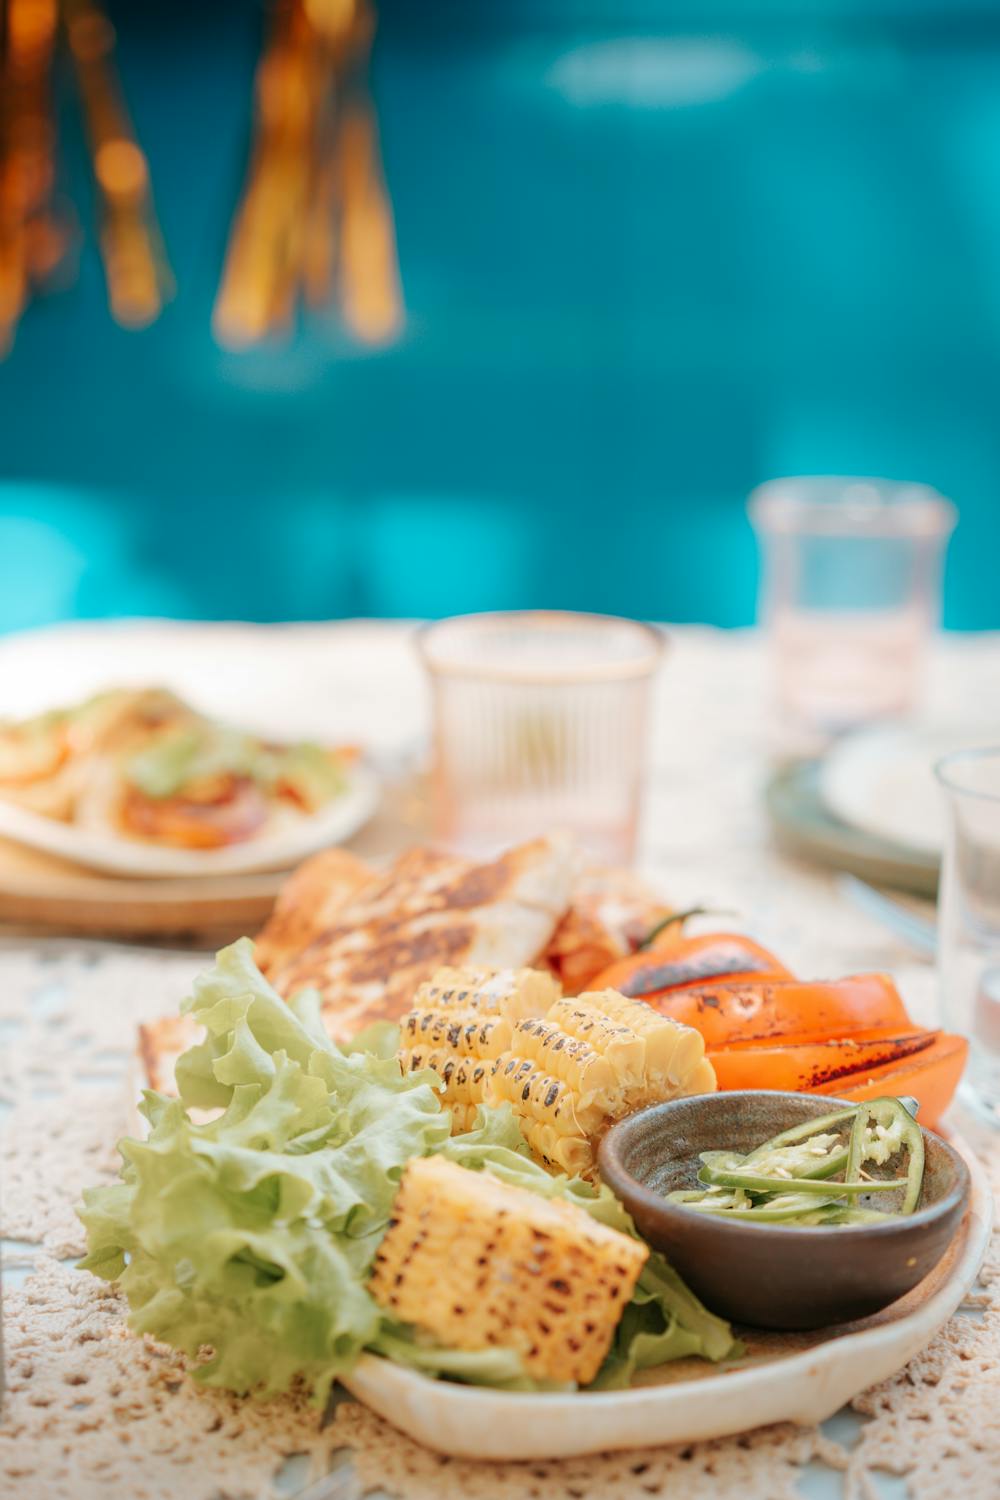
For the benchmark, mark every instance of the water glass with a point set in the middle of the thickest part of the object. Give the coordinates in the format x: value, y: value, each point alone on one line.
x: 850, y: 592
x: 969, y: 919
x: 540, y: 722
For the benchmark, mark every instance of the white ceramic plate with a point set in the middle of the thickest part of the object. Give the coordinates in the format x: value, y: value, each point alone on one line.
x: 801, y: 1378
x: 121, y: 856
x: 288, y: 682
x: 882, y: 781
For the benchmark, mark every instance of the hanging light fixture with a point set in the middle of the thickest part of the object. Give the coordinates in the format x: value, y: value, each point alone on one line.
x: 32, y: 240
x: 36, y: 233
x: 135, y: 263
x: 314, y: 226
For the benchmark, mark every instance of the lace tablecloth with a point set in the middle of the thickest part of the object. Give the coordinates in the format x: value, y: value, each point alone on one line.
x: 92, y: 1412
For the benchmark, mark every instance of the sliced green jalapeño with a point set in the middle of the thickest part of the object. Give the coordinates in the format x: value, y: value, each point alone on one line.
x: 882, y: 1129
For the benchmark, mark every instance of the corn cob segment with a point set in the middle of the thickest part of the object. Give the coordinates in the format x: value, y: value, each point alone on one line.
x: 513, y: 993
x: 478, y: 1264
x: 702, y: 1080
x: 567, y: 1074
x: 552, y: 1121
x: 590, y: 1061
x: 462, y: 1032
x: 673, y: 1051
x: 464, y: 1018
x: 570, y: 1059
x: 621, y: 1045
x: 464, y: 1078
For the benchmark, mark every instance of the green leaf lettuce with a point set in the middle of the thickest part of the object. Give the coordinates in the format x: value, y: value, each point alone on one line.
x: 245, y: 1239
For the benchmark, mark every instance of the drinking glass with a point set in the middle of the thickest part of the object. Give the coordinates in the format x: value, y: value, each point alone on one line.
x: 540, y: 724
x: 850, y: 590
x: 969, y: 919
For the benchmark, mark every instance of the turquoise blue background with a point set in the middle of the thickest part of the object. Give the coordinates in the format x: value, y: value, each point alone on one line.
x: 651, y: 253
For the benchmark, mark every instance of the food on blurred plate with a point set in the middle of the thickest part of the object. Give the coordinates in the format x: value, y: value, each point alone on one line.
x: 569, y: 1067
x: 140, y: 763
x: 427, y: 911
x: 323, y: 1207
x: 611, y: 914
x: 815, y: 1174
x: 850, y: 1037
x: 479, y: 1264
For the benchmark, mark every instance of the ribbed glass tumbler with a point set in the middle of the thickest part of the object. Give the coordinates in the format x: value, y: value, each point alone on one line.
x: 540, y: 724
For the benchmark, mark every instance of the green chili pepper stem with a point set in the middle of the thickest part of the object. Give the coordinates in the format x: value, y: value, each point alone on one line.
x: 674, y: 918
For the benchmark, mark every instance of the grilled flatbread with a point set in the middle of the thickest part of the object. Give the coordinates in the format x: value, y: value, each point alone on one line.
x: 427, y: 911
x: 308, y: 902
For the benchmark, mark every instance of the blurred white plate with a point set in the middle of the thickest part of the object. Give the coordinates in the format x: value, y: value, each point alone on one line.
x: 336, y: 683
x: 339, y: 683
x: 882, y: 781
x: 786, y: 1378
x: 276, y: 851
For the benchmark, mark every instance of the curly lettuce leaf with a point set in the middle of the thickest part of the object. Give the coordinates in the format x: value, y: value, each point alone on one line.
x: 246, y: 1239
x: 253, y: 1234
x: 501, y: 1369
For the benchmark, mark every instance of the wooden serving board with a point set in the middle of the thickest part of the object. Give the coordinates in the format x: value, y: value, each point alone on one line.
x: 39, y: 893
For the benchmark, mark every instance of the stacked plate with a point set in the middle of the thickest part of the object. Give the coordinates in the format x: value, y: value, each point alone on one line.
x: 872, y: 805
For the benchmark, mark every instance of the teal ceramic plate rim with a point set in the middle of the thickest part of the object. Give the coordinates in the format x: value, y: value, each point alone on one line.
x: 803, y: 826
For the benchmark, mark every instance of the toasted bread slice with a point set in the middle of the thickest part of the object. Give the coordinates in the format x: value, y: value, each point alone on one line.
x: 307, y: 905
x: 430, y: 910
x: 160, y: 1044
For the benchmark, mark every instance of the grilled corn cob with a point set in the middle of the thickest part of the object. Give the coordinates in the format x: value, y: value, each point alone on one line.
x: 702, y: 1080
x: 622, y: 1046
x: 553, y: 1122
x: 464, y: 1018
x: 478, y: 1264
x: 514, y: 993
x: 590, y: 1061
x: 673, y: 1051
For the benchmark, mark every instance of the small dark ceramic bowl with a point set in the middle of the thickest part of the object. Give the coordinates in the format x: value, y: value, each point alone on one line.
x: 773, y: 1276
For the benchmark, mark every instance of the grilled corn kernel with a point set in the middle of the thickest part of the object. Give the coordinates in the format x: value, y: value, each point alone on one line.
x: 464, y: 1018
x: 478, y: 1264
x: 590, y: 1061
